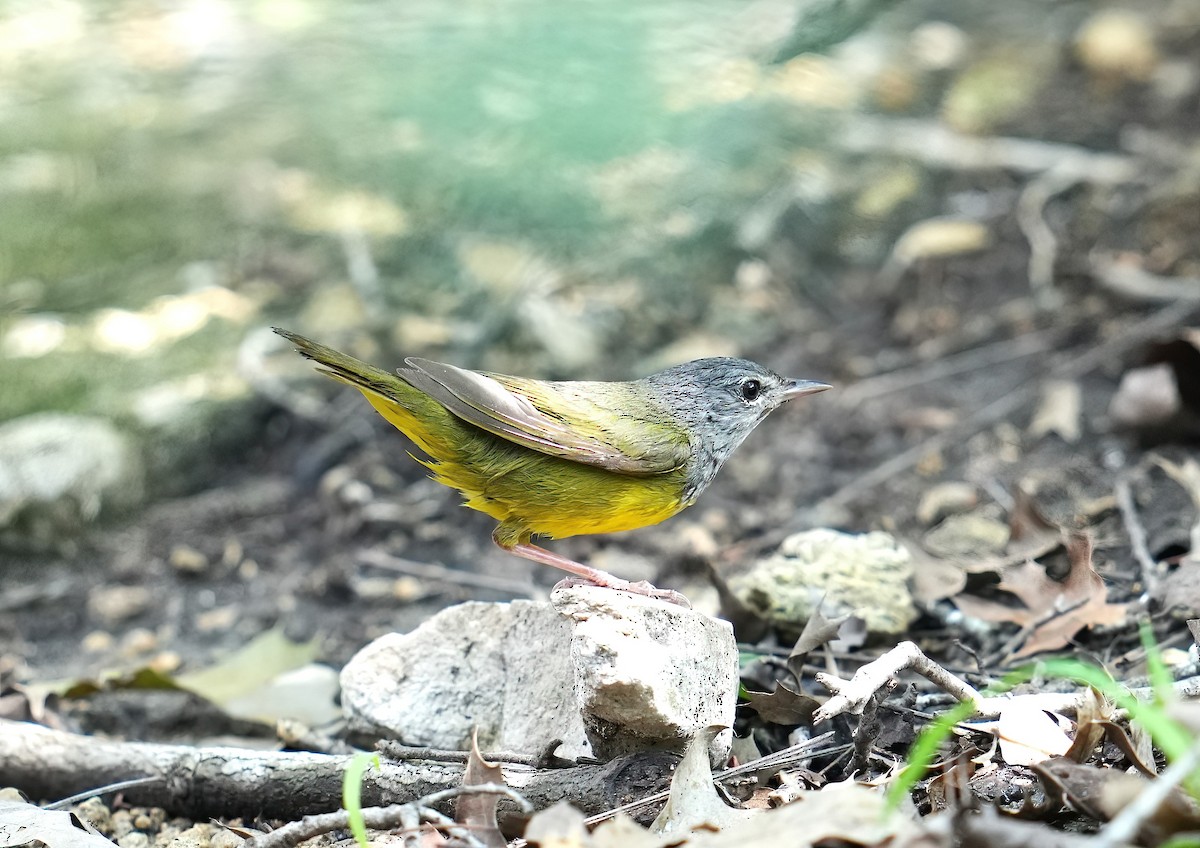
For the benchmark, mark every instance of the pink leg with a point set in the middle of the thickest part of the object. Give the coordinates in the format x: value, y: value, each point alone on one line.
x: 594, y: 576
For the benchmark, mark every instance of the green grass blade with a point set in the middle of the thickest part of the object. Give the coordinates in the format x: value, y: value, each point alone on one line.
x: 352, y: 793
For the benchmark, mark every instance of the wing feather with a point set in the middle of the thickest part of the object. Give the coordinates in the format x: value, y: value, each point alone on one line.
x: 553, y: 418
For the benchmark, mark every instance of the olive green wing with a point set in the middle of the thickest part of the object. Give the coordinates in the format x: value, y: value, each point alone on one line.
x: 575, y: 421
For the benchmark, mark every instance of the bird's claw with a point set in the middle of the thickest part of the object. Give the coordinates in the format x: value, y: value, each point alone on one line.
x: 642, y: 587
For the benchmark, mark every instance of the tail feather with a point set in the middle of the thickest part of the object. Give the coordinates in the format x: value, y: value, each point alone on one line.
x: 349, y: 370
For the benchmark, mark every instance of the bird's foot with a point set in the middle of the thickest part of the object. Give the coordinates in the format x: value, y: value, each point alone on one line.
x: 641, y: 587
x: 585, y: 575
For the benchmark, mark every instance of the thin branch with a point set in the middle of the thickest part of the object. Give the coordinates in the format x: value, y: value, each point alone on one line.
x: 387, y: 818
x: 936, y: 146
x: 1031, y: 218
x: 1137, y: 538
x: 1125, y: 825
x: 1071, y: 368
x: 853, y: 695
x: 963, y: 362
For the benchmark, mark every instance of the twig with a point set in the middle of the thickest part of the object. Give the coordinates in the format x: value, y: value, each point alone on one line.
x: 397, y: 751
x: 1032, y: 627
x: 443, y: 574
x: 1137, y: 539
x: 362, y: 271
x: 108, y: 789
x: 868, y: 730
x: 1125, y: 825
x: 934, y: 145
x: 853, y: 695
x: 1135, y: 283
x: 253, y: 367
x: 1072, y: 368
x: 387, y: 818
x: 1043, y: 244
x: 974, y: 359
x: 780, y: 759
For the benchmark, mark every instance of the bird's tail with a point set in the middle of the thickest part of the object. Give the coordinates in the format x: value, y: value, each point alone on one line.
x: 340, y: 366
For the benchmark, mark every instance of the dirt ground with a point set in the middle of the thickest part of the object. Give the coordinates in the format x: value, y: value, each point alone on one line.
x: 961, y: 389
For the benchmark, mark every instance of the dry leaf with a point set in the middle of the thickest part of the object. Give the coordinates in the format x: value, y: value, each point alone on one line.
x: 845, y: 813
x: 558, y: 826
x: 1093, y: 713
x: 21, y: 824
x: 783, y: 706
x: 1082, y: 593
x: 1031, y: 735
x: 475, y: 810
x: 1059, y: 411
x: 623, y: 832
x: 694, y: 802
x: 817, y: 631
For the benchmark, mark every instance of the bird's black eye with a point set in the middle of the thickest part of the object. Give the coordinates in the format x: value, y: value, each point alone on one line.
x: 751, y: 389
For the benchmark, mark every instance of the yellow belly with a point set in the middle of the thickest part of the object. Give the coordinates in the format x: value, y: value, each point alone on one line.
x: 531, y: 492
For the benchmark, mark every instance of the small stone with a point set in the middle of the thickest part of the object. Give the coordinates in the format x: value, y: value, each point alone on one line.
x: 96, y: 813
x: 134, y: 839
x: 225, y: 839
x: 187, y: 560
x: 696, y: 540
x: 165, y: 662
x: 116, y: 604
x: 122, y: 823
x: 863, y: 574
x: 1117, y: 44
x: 216, y: 620
x: 57, y: 472
x: 97, y: 642
x: 504, y: 669
x: 648, y: 674
x: 946, y: 499
x: 233, y: 554
x: 973, y: 535
x: 138, y: 642
x: 604, y: 672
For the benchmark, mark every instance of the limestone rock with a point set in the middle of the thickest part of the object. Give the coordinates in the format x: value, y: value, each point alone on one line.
x: 648, y: 674
x: 864, y: 574
x: 502, y: 668
x: 57, y: 471
x: 605, y: 672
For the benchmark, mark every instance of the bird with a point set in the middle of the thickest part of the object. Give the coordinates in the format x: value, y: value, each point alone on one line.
x: 555, y: 459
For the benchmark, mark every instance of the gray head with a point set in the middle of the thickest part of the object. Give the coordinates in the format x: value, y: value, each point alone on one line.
x: 721, y: 400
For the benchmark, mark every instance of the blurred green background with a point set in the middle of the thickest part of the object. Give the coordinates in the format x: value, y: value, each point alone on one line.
x: 559, y: 189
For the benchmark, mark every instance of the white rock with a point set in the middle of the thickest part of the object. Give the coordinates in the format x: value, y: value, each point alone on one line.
x: 648, y: 674
x: 604, y: 672
x: 65, y: 468
x: 503, y: 668
x: 865, y: 574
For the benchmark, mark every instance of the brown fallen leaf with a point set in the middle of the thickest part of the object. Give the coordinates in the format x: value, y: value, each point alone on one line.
x: 783, y: 706
x: 1163, y: 392
x: 1180, y: 586
x: 1059, y: 411
x: 818, y: 630
x: 478, y: 811
x: 1081, y: 593
x: 1102, y: 793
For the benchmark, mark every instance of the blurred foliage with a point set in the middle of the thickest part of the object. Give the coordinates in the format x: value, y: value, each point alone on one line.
x: 138, y: 137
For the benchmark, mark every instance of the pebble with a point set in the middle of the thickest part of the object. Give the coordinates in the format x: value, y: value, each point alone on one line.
x: 115, y: 604
x: 187, y: 560
x: 946, y: 499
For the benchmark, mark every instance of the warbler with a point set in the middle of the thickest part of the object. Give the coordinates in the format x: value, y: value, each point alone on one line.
x: 559, y: 459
